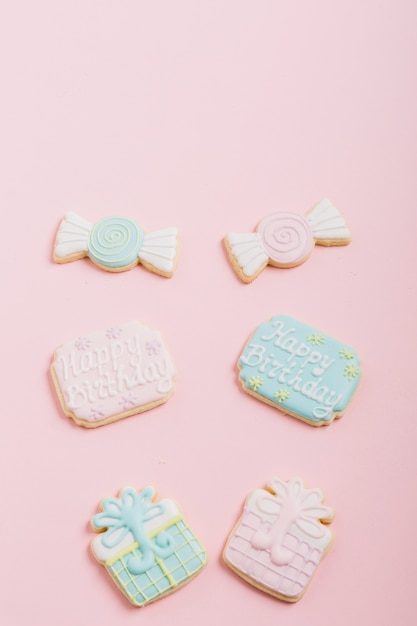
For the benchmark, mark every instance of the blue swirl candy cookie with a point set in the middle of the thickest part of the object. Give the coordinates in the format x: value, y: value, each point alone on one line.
x: 116, y: 244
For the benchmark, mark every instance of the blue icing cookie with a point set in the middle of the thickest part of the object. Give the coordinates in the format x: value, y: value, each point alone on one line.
x: 116, y: 244
x: 299, y: 370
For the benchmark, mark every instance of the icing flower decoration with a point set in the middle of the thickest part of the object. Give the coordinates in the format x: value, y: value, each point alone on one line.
x: 316, y: 339
x: 97, y: 412
x: 153, y: 347
x: 116, y: 244
x: 128, y: 400
x: 83, y: 343
x: 351, y: 371
x: 114, y: 332
x: 255, y: 382
x: 281, y: 395
x: 286, y: 239
x: 346, y: 354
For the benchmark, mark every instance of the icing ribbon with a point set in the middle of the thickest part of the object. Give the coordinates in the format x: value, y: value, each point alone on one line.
x: 116, y: 243
x: 128, y: 514
x: 292, y: 504
x: 287, y: 239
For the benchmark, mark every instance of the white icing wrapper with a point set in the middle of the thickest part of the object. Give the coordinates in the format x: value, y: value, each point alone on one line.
x: 326, y: 223
x: 72, y: 236
x: 159, y: 249
x: 248, y: 252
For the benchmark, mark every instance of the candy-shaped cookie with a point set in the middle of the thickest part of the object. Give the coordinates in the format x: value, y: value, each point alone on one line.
x: 146, y: 547
x: 113, y: 373
x: 116, y: 244
x: 299, y: 370
x: 286, y: 239
x: 280, y: 538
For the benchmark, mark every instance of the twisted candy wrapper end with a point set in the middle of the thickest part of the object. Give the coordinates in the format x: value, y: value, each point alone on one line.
x: 327, y: 225
x: 159, y: 249
x: 72, y: 236
x: 247, y: 252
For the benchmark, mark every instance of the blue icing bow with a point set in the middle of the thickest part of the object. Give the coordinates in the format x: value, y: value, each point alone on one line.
x: 128, y: 514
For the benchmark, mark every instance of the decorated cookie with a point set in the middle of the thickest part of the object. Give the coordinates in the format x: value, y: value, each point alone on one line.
x: 146, y: 547
x: 280, y: 538
x: 110, y: 374
x: 286, y: 239
x: 299, y: 370
x: 116, y: 244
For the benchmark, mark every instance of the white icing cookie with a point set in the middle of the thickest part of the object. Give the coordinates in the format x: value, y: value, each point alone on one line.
x: 280, y: 538
x: 286, y: 239
x: 112, y: 374
x: 147, y: 547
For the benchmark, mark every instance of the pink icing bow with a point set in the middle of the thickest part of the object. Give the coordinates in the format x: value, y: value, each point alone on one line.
x: 292, y: 504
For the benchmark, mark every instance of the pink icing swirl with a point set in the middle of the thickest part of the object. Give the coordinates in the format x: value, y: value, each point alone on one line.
x: 287, y: 238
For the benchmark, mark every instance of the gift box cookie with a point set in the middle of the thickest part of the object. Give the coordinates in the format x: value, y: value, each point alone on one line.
x: 299, y: 370
x: 147, y: 547
x: 113, y: 373
x: 280, y: 538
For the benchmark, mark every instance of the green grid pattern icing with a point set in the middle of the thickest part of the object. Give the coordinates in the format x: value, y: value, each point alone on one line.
x: 188, y: 558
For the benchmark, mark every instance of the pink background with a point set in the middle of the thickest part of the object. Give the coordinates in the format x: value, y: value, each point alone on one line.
x: 208, y: 116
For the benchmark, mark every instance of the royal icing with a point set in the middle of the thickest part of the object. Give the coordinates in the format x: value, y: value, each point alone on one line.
x: 286, y: 239
x: 113, y: 373
x: 146, y: 546
x: 299, y: 370
x: 280, y: 538
x: 116, y: 244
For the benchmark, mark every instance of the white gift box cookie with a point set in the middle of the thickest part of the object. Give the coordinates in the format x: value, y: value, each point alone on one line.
x: 286, y: 239
x: 280, y: 538
x: 111, y: 374
x: 147, y: 547
x: 299, y: 370
x: 116, y: 244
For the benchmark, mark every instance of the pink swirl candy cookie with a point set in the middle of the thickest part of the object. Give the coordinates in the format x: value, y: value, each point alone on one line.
x: 281, y: 538
x: 286, y: 239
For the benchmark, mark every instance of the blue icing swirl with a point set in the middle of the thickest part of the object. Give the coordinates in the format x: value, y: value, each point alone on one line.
x: 115, y: 242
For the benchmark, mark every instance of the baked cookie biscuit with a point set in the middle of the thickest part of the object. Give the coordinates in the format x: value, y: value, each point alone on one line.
x: 299, y: 370
x: 116, y: 244
x: 111, y: 374
x: 280, y: 538
x: 145, y: 545
x: 286, y: 239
